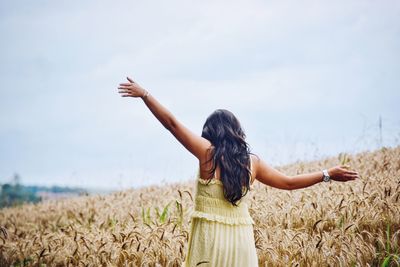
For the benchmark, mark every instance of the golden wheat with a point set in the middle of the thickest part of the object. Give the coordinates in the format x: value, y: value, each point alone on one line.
x: 335, y: 224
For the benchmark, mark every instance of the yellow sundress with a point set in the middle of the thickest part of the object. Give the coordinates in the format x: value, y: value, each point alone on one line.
x: 220, y: 233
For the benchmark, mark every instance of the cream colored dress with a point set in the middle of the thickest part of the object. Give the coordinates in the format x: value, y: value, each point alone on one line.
x: 220, y: 233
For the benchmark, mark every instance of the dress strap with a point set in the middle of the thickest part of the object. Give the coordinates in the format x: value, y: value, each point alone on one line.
x: 250, y: 164
x: 199, y: 176
x: 251, y: 172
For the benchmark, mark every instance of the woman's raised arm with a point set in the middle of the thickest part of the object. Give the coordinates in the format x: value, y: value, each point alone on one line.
x: 272, y: 177
x: 196, y: 144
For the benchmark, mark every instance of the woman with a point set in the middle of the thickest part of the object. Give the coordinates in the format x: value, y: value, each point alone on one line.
x: 221, y: 232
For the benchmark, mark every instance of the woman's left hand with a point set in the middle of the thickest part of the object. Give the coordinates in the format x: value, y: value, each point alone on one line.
x: 131, y: 89
x: 342, y: 173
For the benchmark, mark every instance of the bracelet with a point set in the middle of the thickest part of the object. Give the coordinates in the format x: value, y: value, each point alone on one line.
x: 325, y: 176
x: 146, y: 94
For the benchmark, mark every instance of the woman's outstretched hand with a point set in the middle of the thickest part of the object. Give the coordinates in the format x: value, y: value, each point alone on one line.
x: 131, y: 89
x: 342, y: 173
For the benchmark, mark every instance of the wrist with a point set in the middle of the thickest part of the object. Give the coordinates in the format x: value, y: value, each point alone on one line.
x: 325, y: 175
x: 145, y: 94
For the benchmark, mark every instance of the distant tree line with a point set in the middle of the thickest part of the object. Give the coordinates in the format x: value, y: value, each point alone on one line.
x: 14, y: 193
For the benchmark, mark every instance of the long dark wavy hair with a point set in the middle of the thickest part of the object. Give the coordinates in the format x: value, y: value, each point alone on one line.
x: 230, y: 152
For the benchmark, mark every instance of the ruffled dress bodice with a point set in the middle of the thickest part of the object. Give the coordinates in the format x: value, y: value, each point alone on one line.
x: 210, y: 204
x: 220, y: 234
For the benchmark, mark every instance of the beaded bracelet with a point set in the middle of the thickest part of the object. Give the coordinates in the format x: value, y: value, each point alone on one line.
x: 145, y: 95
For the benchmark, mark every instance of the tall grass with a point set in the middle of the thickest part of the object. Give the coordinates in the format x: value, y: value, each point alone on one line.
x: 335, y: 224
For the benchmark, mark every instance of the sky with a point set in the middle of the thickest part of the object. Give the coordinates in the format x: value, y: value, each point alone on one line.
x: 306, y: 79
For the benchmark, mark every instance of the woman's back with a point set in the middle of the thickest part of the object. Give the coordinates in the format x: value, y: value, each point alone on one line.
x: 221, y: 234
x: 210, y: 202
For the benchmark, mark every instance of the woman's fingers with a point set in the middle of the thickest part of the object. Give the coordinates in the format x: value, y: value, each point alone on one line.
x: 125, y: 89
x: 351, y: 176
x: 344, y: 173
x: 130, y: 89
x: 346, y: 169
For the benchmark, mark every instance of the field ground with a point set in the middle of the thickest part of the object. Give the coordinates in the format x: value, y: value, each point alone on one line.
x: 330, y: 224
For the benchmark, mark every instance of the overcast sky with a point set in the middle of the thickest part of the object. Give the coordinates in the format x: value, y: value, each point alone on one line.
x: 306, y: 79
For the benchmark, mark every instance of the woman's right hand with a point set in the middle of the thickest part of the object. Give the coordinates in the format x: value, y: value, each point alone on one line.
x: 131, y: 89
x: 342, y: 173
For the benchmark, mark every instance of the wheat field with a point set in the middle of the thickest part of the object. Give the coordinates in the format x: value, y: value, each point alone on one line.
x: 330, y: 224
